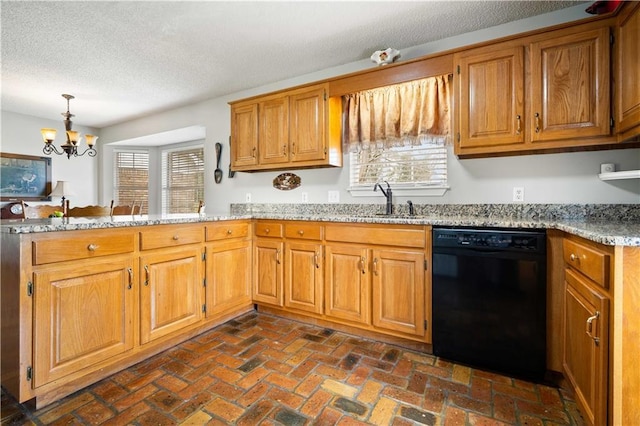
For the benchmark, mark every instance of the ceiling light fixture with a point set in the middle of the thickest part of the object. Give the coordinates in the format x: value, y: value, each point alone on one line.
x: 70, y: 148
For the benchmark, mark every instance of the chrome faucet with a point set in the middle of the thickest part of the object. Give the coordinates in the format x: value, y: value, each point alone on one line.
x: 388, y: 194
x: 411, y: 210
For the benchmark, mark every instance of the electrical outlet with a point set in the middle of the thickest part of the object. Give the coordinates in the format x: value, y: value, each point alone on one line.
x: 518, y: 194
x: 305, y: 197
x: 334, y: 196
x: 247, y: 197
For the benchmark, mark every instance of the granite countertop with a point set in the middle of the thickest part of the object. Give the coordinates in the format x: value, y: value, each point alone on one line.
x: 621, y: 233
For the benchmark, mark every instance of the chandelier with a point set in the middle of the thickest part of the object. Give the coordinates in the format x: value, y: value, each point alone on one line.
x: 70, y: 148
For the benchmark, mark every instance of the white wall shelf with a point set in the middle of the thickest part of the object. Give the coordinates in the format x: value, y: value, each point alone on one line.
x: 627, y: 174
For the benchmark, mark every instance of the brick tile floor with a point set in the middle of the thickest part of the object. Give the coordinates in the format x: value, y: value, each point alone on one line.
x: 261, y: 369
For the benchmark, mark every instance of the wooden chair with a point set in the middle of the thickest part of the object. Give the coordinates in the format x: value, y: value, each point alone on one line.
x: 87, y: 211
x: 39, y: 211
x: 122, y: 209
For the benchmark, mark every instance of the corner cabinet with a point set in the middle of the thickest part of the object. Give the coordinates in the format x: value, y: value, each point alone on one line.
x: 286, y: 130
x: 544, y: 92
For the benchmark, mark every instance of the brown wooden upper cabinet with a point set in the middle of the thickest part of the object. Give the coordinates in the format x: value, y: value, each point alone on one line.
x: 286, y: 130
x: 627, y: 40
x: 547, y: 91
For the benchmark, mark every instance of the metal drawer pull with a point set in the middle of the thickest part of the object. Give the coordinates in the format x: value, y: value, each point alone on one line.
x: 278, y: 256
x: 574, y: 258
x: 301, y: 232
x: 362, y: 263
x: 130, y: 271
x: 176, y: 238
x: 537, y: 116
x: 229, y: 232
x: 267, y: 230
x: 518, y: 125
x: 375, y: 266
x: 92, y: 247
x: 146, y: 275
x: 315, y: 260
x: 590, y: 327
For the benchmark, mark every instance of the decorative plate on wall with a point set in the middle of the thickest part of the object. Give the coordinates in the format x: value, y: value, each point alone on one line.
x: 286, y: 181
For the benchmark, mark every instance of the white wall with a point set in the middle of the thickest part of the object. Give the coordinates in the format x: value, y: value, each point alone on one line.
x: 21, y: 135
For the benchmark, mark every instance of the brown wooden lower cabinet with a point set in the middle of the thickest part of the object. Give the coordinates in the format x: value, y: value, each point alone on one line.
x: 172, y: 292
x: 364, y: 276
x: 83, y: 315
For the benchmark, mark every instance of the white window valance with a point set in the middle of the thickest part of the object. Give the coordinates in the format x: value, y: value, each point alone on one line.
x: 406, y: 114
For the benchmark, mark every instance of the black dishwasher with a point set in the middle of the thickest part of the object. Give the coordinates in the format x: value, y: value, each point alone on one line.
x: 489, y: 299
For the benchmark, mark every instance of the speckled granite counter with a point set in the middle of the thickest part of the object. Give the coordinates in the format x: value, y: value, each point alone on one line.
x: 605, y: 224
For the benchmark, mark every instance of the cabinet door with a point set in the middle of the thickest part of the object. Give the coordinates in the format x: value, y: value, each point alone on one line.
x: 83, y: 316
x: 171, y: 295
x: 307, y: 125
x: 244, y: 135
x: 228, y: 277
x: 347, y: 285
x: 273, y: 138
x: 303, y: 276
x: 398, y: 291
x: 490, y: 97
x: 267, y: 275
x: 570, y: 86
x: 628, y: 70
x: 586, y: 345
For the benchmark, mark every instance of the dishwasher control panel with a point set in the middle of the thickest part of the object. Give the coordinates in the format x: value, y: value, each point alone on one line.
x: 489, y: 238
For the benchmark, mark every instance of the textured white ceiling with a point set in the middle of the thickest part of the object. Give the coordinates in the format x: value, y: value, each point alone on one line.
x: 129, y: 59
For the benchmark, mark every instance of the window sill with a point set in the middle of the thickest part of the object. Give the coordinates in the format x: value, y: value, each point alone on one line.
x: 437, y: 191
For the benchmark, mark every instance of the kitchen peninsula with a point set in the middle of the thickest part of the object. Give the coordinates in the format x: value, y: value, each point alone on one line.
x: 85, y: 297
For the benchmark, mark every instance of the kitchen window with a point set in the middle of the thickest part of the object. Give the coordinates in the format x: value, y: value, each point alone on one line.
x: 399, y: 134
x: 182, y: 180
x: 131, y: 179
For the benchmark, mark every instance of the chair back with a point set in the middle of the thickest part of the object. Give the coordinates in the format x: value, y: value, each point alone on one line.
x: 122, y: 209
x: 89, y: 211
x: 39, y: 211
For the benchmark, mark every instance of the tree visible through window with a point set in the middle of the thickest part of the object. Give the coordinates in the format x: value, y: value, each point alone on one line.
x: 131, y: 179
x: 182, y: 180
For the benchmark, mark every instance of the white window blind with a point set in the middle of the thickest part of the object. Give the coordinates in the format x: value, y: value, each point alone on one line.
x: 406, y: 167
x: 182, y: 180
x: 131, y: 178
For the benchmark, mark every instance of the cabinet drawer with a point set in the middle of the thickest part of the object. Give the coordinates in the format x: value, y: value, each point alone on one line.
x: 226, y: 230
x: 307, y: 231
x: 402, y: 236
x: 170, y: 236
x: 59, y: 248
x: 591, y: 262
x: 268, y: 229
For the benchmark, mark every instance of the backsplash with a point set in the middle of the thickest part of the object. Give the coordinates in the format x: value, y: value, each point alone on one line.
x: 591, y: 212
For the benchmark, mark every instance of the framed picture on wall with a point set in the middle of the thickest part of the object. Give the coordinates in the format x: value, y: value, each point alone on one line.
x: 24, y: 177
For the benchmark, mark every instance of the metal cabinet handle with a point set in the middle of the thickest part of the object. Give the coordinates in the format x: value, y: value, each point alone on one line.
x: 375, y: 266
x: 315, y: 260
x: 253, y: 152
x: 301, y: 232
x: 537, y: 119
x: 229, y: 232
x: 293, y: 148
x: 518, y: 124
x: 284, y: 149
x: 176, y: 237
x: 92, y: 247
x: 590, y: 327
x: 278, y: 256
x: 267, y: 230
x: 574, y: 258
x: 362, y: 263
x: 130, y: 271
x: 146, y: 275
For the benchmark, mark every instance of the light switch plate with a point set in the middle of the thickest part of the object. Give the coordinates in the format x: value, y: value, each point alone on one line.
x: 247, y: 197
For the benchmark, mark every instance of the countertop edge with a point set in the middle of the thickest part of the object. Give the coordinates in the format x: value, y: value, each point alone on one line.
x: 605, y: 232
